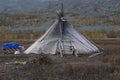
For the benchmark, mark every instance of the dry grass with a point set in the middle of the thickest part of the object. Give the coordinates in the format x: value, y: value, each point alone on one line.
x: 103, y: 67
x: 39, y: 60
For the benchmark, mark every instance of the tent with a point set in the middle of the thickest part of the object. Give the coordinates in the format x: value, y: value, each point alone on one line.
x: 61, y: 38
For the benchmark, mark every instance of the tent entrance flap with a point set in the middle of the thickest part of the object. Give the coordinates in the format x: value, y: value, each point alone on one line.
x: 67, y: 46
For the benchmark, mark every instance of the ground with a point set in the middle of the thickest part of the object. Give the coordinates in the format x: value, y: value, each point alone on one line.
x: 105, y: 66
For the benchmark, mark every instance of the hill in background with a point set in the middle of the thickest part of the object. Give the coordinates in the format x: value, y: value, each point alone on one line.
x: 87, y: 7
x: 33, y: 16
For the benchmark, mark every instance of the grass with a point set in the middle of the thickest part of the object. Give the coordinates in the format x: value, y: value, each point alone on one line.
x: 43, y: 67
x: 103, y: 67
x: 40, y: 59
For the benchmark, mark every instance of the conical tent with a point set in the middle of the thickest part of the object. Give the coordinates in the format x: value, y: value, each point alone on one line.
x: 62, y: 38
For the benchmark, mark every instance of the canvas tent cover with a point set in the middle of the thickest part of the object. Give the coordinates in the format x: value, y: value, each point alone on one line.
x: 59, y: 33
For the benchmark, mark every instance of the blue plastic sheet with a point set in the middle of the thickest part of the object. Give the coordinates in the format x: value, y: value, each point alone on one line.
x: 9, y: 45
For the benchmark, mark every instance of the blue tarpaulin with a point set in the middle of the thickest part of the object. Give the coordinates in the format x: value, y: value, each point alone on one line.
x: 10, y: 45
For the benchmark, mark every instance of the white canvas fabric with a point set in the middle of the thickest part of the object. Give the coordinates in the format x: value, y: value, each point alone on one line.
x: 58, y: 34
